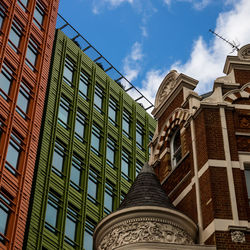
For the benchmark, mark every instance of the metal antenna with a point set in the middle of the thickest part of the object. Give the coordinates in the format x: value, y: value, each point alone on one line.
x: 232, y: 44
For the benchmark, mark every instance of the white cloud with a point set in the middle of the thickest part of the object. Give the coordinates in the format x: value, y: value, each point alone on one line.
x: 131, y: 63
x: 207, y: 60
x: 197, y: 4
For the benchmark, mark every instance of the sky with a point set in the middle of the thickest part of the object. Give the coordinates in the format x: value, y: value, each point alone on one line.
x: 145, y: 39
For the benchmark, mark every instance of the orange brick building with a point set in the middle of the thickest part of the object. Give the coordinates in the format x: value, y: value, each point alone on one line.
x: 26, y: 41
x: 201, y: 151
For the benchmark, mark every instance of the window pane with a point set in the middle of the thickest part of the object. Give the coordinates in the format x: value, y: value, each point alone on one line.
x: 39, y: 15
x: 15, y: 36
x: 112, y: 111
x: 80, y: 125
x: 52, y: 211
x: 88, y: 234
x: 125, y: 165
x: 126, y: 123
x: 2, y: 15
x: 6, y: 80
x: 13, y: 153
x: 139, y: 135
x: 23, y: 99
x: 111, y: 152
x: 95, y: 139
x: 58, y: 159
x: 108, y: 197
x: 23, y: 3
x: 139, y: 166
x: 247, y: 176
x: 75, y: 173
x: 98, y: 98
x: 68, y: 71
x: 31, y: 54
x: 93, y: 186
x: 63, y: 114
x: 83, y: 85
x: 71, y: 225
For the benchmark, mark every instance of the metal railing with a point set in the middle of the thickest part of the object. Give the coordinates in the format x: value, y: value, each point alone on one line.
x: 101, y: 61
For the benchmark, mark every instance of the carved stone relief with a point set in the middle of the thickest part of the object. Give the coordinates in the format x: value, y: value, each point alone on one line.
x: 144, y: 230
x: 244, y: 121
x: 238, y: 237
x: 243, y: 143
x: 244, y: 52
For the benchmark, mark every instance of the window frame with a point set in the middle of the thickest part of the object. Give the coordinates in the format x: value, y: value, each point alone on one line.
x: 65, y: 105
x: 126, y: 158
x: 247, y: 180
x: 93, y: 176
x: 18, y: 29
x: 126, y: 118
x: 3, y: 11
x: 81, y: 120
x: 85, y: 80
x: 39, y: 8
x: 34, y: 48
x: 113, y: 105
x: 98, y: 93
x: 140, y: 133
x: 111, y: 145
x: 59, y: 149
x: 54, y: 200
x: 175, y: 154
x: 90, y: 225
x: 97, y: 133
x: 76, y: 163
x: 110, y: 192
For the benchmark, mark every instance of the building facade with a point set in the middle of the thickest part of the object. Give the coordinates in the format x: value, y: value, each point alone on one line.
x: 26, y: 39
x: 95, y: 139
x: 201, y: 151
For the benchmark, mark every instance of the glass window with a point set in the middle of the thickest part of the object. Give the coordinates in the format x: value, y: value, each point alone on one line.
x: 15, y: 35
x: 109, y: 197
x: 113, y: 111
x: 88, y: 234
x: 80, y: 125
x: 1, y: 128
x: 175, y: 148
x: 93, y: 186
x: 76, y: 171
x: 247, y: 176
x: 96, y: 139
x: 2, y: 15
x: 125, y: 165
x: 39, y: 14
x: 13, y: 154
x: 83, y: 85
x: 126, y: 121
x: 23, y: 4
x: 139, y: 135
x: 123, y: 195
x: 98, y: 98
x: 138, y: 167
x: 6, y: 80
x: 150, y: 138
x: 71, y: 225
x: 68, y: 71
x: 5, y: 211
x: 52, y: 211
x: 32, y: 54
x: 23, y: 100
x: 63, y: 114
x: 111, y: 151
x: 58, y: 159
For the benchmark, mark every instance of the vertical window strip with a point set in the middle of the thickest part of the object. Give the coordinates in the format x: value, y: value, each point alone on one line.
x: 15, y: 36
x: 139, y: 135
x: 83, y: 85
x: 96, y: 139
x: 23, y: 100
x: 125, y: 165
x: 247, y: 177
x: 80, y: 125
x: 39, y: 15
x: 126, y: 123
x: 58, y: 159
x: 13, y: 154
x: 111, y: 152
x: 98, y: 98
x: 23, y: 4
x: 6, y: 204
x: 68, y: 72
x: 93, y: 186
x: 72, y: 220
x: 32, y: 54
x: 6, y: 81
x: 2, y: 15
x: 63, y: 113
x: 109, y: 196
x: 88, y: 234
x: 76, y: 172
x: 52, y: 211
x: 113, y: 111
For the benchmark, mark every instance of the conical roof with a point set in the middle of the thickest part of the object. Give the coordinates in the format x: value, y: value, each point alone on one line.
x: 146, y: 191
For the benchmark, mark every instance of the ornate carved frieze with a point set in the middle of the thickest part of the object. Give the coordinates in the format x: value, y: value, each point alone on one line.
x: 144, y: 230
x: 238, y: 236
x: 243, y: 143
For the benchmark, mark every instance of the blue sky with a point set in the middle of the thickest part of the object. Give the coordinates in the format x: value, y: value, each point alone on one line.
x: 145, y: 39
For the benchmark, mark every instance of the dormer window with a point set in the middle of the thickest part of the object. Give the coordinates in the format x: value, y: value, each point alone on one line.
x: 175, y: 148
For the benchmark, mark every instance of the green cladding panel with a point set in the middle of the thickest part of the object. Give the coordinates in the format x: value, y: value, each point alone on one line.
x: 94, y: 141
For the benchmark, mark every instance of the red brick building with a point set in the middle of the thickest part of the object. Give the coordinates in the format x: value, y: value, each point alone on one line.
x: 201, y: 151
x: 26, y: 40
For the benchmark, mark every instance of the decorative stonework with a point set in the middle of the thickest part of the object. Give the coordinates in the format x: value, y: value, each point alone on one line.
x: 244, y: 52
x: 166, y: 87
x: 238, y: 237
x: 144, y: 230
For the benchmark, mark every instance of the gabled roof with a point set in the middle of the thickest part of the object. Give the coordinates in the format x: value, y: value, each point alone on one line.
x: 146, y: 191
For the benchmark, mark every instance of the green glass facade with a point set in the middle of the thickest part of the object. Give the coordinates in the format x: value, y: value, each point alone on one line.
x: 94, y: 142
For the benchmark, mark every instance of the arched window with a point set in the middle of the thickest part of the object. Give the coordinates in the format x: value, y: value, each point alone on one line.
x: 175, y: 148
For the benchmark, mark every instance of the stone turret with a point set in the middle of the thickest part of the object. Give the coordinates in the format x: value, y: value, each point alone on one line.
x: 146, y: 219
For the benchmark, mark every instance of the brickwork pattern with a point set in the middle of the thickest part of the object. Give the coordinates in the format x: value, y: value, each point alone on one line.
x: 242, y: 76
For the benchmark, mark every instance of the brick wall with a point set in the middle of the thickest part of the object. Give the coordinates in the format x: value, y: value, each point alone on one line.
x: 176, y: 103
x: 242, y: 76
x: 220, y: 193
